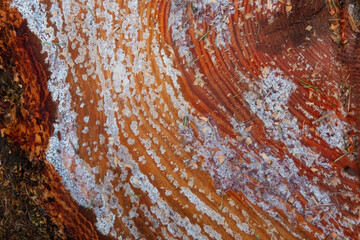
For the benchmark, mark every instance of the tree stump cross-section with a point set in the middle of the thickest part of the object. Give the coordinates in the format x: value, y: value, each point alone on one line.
x: 196, y: 119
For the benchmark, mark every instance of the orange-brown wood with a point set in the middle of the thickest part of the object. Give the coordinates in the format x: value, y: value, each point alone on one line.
x: 191, y: 119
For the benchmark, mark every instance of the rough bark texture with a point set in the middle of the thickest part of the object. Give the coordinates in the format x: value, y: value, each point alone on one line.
x: 27, y: 115
x: 188, y: 119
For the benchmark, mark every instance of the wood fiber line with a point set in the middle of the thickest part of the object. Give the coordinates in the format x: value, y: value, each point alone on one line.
x: 191, y: 119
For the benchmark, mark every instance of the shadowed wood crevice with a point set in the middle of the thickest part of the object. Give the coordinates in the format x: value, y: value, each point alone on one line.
x: 285, y: 29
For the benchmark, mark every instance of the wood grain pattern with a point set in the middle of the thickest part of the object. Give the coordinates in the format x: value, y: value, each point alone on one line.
x: 27, y: 114
x: 201, y: 119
